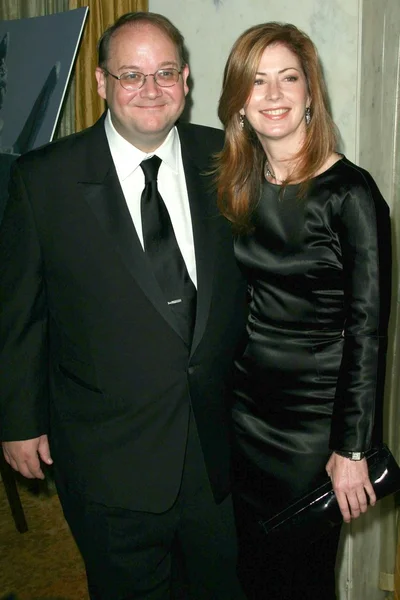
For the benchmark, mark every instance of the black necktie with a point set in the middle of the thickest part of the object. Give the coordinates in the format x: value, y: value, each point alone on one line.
x: 163, y: 251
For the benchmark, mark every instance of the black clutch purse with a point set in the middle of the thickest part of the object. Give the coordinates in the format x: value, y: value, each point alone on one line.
x: 316, y: 513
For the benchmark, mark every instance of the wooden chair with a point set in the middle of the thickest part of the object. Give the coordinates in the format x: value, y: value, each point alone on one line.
x: 10, y: 485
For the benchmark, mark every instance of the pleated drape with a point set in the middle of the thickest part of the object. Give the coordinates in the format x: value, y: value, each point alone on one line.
x: 102, y: 13
x: 22, y: 9
x: 379, y: 153
x: 397, y: 569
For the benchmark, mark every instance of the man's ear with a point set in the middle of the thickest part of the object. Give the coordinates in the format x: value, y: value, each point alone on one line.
x: 185, y: 75
x: 101, y: 82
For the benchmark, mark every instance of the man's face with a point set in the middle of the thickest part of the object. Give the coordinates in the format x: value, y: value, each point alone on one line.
x: 144, y: 117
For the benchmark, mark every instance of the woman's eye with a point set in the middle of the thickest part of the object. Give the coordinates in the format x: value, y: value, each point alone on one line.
x: 259, y: 81
x: 291, y: 78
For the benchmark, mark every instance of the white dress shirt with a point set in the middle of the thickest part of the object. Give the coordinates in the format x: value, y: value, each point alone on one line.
x: 171, y: 185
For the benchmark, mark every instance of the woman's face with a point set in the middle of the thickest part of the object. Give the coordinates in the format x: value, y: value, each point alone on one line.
x: 276, y: 106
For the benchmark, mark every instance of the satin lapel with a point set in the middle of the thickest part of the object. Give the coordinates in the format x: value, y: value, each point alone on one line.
x: 204, y: 222
x: 103, y: 193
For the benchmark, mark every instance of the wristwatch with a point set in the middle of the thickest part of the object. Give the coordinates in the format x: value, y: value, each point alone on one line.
x: 351, y: 455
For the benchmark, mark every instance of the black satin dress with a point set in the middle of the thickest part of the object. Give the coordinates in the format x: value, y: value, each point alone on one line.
x: 310, y: 378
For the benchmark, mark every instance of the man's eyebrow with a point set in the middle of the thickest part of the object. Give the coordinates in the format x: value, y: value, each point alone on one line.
x: 166, y: 63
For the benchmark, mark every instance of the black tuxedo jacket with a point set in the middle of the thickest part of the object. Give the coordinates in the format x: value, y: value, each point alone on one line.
x: 89, y: 350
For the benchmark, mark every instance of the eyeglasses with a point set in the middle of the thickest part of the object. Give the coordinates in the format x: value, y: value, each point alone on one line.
x: 135, y: 80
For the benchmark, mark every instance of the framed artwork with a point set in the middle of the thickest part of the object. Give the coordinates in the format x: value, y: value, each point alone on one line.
x: 36, y: 60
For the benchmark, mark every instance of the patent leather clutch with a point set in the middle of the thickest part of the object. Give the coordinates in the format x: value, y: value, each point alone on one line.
x: 315, y: 514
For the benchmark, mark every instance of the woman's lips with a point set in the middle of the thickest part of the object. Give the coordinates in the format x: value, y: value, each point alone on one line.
x: 275, y: 113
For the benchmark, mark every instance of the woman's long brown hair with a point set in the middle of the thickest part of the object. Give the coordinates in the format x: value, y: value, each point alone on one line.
x: 239, y: 166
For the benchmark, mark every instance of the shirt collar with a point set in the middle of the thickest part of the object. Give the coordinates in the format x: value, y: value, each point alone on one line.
x: 127, y: 157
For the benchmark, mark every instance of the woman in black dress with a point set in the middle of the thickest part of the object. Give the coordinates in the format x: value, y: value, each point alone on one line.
x: 314, y: 243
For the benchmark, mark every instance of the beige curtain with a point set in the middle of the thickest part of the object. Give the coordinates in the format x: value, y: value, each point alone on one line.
x: 102, y: 13
x: 21, y: 9
x: 390, y: 574
x: 379, y: 153
x: 397, y: 569
x: 394, y: 405
x: 389, y: 167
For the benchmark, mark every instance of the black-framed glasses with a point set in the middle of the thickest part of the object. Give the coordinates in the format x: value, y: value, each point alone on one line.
x: 134, y: 80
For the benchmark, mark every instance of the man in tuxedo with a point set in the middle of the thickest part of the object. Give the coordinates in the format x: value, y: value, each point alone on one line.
x: 122, y: 307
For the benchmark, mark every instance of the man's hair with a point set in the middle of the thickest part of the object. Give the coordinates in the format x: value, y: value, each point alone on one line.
x: 240, y: 164
x: 135, y: 18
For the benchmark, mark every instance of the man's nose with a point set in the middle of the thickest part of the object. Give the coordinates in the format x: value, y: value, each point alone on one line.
x: 150, y: 87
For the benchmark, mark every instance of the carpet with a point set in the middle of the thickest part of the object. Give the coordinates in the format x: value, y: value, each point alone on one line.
x: 43, y: 563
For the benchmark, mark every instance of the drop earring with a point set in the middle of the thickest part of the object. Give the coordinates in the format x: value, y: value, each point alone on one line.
x: 308, y: 115
x: 241, y: 121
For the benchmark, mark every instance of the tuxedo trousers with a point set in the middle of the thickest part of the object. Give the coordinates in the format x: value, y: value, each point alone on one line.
x: 187, y: 552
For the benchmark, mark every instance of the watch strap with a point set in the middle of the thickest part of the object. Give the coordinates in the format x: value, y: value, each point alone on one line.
x: 351, y: 455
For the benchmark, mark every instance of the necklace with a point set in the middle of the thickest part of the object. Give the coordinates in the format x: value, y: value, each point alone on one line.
x: 269, y: 173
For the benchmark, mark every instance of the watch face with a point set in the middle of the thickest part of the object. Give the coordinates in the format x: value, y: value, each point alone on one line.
x: 356, y: 456
x: 351, y: 455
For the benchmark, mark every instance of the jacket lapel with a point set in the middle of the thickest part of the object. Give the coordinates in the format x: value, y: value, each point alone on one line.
x: 102, y: 191
x: 204, y: 223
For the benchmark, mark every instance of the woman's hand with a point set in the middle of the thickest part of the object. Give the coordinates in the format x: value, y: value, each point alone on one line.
x: 351, y: 484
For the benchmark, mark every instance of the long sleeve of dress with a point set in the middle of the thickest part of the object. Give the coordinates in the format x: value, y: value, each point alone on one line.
x: 364, y: 234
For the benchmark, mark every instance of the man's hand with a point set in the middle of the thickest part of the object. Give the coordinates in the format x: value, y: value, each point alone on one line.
x: 351, y: 485
x: 25, y: 456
